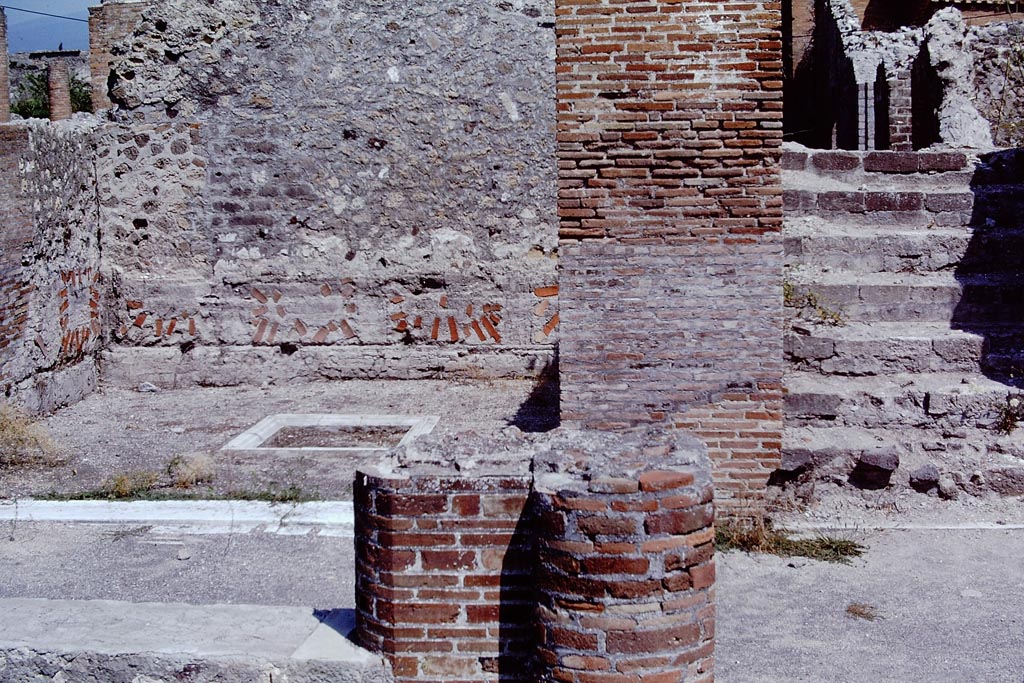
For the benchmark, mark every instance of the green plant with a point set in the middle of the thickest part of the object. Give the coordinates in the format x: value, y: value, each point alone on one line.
x: 1004, y: 111
x: 23, y: 442
x: 275, y: 493
x: 758, y: 536
x: 33, y: 101
x: 1008, y: 414
x: 809, y: 304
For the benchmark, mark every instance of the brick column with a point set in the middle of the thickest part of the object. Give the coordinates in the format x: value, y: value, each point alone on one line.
x: 463, y: 558
x: 901, y: 119
x: 627, y: 572
x: 669, y: 131
x: 5, y: 75
x: 866, y: 116
x: 109, y: 24
x: 444, y: 564
x: 60, y: 90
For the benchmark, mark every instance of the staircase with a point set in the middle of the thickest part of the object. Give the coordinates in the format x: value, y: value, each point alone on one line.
x: 905, y: 337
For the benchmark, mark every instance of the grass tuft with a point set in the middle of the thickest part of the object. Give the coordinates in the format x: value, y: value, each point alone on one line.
x: 23, y: 442
x: 862, y: 610
x: 760, y: 537
x: 187, y: 471
x: 130, y: 484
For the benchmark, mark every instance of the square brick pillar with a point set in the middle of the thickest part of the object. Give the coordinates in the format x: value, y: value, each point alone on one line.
x: 670, y: 204
x: 5, y: 72
x: 111, y: 23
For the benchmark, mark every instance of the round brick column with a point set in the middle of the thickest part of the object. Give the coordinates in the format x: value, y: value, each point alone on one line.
x: 626, y: 560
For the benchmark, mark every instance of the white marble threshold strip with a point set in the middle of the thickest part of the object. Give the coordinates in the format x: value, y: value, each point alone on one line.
x: 327, y: 518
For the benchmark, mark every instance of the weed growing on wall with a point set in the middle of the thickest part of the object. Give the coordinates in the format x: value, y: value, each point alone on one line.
x: 1004, y: 112
x: 809, y: 305
x: 1009, y: 414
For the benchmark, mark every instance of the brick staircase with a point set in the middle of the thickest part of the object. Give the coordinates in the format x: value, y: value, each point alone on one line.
x: 905, y: 342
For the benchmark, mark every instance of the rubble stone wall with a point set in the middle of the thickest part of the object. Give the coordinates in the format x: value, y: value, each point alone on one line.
x: 51, y: 312
x: 998, y: 51
x: 341, y: 192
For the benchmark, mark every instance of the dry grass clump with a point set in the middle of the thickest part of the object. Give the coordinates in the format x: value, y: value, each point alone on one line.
x: 187, y: 471
x: 129, y: 484
x: 862, y: 610
x: 23, y: 442
x: 758, y: 536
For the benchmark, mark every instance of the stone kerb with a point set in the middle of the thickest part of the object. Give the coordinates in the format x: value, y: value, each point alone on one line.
x: 566, y: 556
x: 626, y: 561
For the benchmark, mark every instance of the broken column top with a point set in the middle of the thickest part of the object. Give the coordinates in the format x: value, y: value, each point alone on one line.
x: 558, y: 457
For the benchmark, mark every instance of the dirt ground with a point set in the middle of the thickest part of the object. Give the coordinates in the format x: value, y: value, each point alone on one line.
x: 120, y: 431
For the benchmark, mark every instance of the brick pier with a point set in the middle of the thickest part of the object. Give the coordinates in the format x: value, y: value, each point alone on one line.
x: 567, y: 556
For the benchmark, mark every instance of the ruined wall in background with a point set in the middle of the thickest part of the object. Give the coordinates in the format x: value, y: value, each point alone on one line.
x: 110, y: 24
x: 50, y: 287
x: 998, y: 51
x: 333, y: 191
x: 669, y: 132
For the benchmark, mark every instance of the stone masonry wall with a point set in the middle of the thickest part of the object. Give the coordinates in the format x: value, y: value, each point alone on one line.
x: 998, y: 63
x: 595, y: 563
x: 50, y: 302
x: 5, y: 73
x: 110, y: 24
x: 669, y: 128
x: 340, y: 193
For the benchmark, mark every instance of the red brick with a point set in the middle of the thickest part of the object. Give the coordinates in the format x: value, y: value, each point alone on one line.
x: 665, y: 480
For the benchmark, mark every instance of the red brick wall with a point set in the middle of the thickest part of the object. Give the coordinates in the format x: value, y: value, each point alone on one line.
x: 16, y: 234
x: 444, y: 576
x: 109, y: 24
x: 669, y: 130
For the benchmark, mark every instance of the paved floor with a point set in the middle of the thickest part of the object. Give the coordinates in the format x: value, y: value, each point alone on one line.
x: 950, y: 607
x: 949, y: 603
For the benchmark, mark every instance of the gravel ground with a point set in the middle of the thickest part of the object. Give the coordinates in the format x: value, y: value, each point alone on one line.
x: 118, y: 431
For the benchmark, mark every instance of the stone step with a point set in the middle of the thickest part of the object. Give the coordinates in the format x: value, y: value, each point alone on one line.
x: 921, y: 459
x: 882, y: 348
x: 979, y: 206
x: 965, y: 301
x: 100, y: 640
x: 947, y: 401
x: 922, y: 249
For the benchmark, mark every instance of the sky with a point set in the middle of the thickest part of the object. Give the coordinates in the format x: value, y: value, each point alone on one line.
x: 30, y: 33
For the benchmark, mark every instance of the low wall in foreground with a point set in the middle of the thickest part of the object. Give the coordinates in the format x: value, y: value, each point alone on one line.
x: 568, y: 556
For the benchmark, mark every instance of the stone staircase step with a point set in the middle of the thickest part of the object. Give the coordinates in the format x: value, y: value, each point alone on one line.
x: 921, y: 249
x: 947, y: 401
x: 978, y: 461
x: 965, y: 300
x: 100, y: 640
x: 895, y: 347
